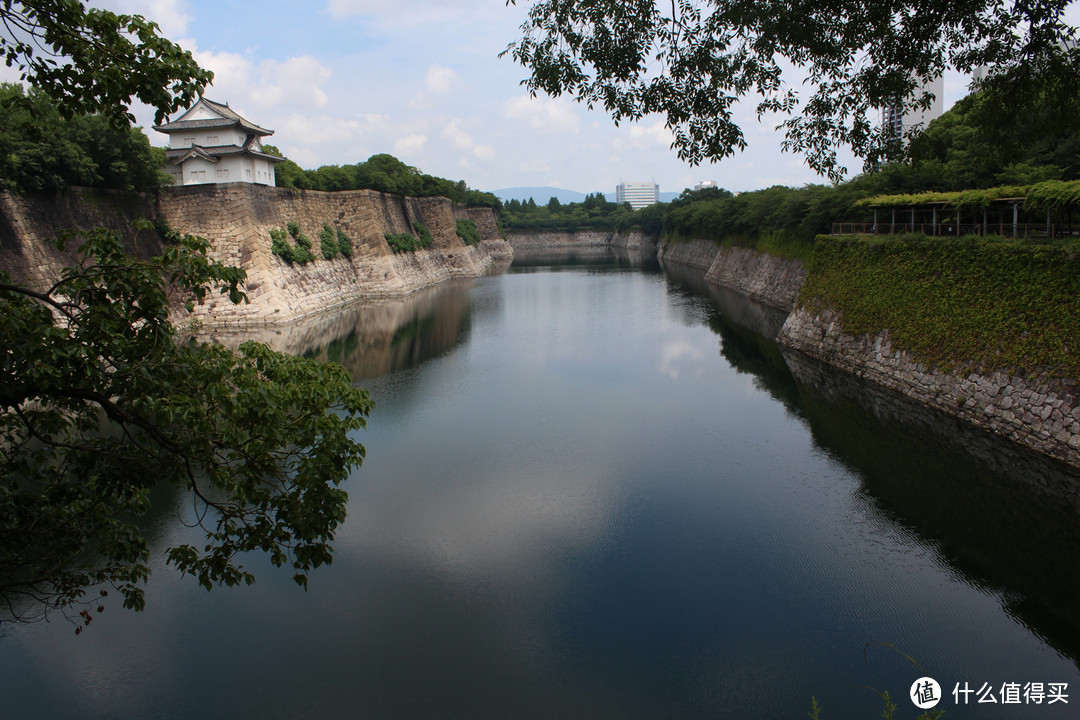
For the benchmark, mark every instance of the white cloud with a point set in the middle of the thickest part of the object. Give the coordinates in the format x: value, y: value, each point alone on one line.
x: 293, y: 82
x: 269, y: 84
x: 308, y: 129
x: 655, y: 134
x: 533, y: 166
x: 171, y: 15
x: 440, y: 79
x: 461, y: 140
x: 551, y: 115
x: 410, y: 144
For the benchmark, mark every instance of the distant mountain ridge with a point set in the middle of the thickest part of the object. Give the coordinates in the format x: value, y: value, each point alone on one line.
x: 542, y: 194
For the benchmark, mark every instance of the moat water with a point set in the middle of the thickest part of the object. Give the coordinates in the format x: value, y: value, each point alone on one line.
x: 597, y: 489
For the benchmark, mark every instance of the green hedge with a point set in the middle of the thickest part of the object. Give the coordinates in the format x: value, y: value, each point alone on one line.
x: 969, y: 301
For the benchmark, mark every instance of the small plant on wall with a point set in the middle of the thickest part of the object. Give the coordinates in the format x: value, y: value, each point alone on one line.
x: 466, y: 230
x: 300, y: 253
x: 344, y: 244
x: 401, y: 242
x: 328, y: 243
x: 423, y: 234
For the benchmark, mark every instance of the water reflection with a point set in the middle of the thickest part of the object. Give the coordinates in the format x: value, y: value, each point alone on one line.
x: 599, y: 493
x: 372, y: 338
x: 532, y: 259
x: 1004, y: 518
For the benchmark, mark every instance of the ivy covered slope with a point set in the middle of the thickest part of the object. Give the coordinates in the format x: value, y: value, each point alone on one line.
x: 958, y: 304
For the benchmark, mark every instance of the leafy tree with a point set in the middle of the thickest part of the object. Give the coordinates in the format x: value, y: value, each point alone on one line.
x: 958, y: 151
x: 691, y: 60
x: 95, y: 61
x: 101, y: 404
x: 287, y: 174
x: 384, y: 173
x: 42, y: 151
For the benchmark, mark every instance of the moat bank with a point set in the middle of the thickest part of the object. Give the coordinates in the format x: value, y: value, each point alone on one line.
x: 969, y: 316
x: 238, y: 219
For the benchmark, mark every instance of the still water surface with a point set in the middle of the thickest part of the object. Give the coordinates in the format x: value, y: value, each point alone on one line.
x: 598, y: 490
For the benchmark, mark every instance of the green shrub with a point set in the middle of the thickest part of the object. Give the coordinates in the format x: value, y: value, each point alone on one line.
x: 423, y: 234
x: 401, y: 242
x: 300, y: 253
x: 466, y: 230
x: 344, y: 244
x: 328, y: 242
x: 169, y: 234
x: 294, y: 228
x: 280, y: 245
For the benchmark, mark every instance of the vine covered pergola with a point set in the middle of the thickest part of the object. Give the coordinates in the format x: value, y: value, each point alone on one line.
x: 1040, y: 210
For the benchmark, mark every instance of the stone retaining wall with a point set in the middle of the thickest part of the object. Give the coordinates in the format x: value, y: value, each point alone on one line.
x: 696, y: 253
x: 28, y: 224
x: 1041, y: 413
x: 768, y: 279
x: 238, y: 217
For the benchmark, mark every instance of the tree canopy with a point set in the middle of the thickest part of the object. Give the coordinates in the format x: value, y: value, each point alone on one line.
x: 42, y: 151
x: 827, y: 65
x: 95, y: 61
x: 101, y: 403
x: 384, y: 173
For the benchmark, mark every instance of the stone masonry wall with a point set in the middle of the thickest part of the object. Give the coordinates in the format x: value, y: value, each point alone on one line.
x: 28, y: 224
x: 695, y: 253
x: 768, y: 279
x: 237, y: 218
x: 1042, y: 413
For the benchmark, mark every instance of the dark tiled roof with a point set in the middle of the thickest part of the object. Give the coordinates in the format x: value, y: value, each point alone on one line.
x: 229, y: 119
x: 178, y: 155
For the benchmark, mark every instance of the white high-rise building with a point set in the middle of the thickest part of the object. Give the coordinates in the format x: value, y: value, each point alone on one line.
x: 638, y: 194
x: 895, y: 118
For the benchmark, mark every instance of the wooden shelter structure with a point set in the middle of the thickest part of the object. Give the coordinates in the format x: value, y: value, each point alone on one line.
x: 1039, y: 211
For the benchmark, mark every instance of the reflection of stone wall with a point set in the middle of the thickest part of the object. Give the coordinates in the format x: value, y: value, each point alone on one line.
x: 1041, y: 413
x: 1059, y: 481
x: 369, y: 339
x: 538, y: 241
x: 239, y: 217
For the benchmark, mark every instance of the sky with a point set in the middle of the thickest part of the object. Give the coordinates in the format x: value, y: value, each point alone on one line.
x: 341, y: 80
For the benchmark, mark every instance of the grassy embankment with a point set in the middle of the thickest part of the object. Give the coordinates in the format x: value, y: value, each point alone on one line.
x: 988, y: 304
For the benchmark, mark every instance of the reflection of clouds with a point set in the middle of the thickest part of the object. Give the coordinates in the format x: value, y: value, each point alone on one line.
x: 679, y: 355
x: 509, y: 522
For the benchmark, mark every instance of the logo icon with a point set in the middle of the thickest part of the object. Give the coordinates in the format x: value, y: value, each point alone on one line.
x: 925, y: 693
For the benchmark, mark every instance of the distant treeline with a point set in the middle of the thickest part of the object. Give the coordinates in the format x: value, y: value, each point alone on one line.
x: 384, y: 173
x: 593, y: 213
x: 958, y: 151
